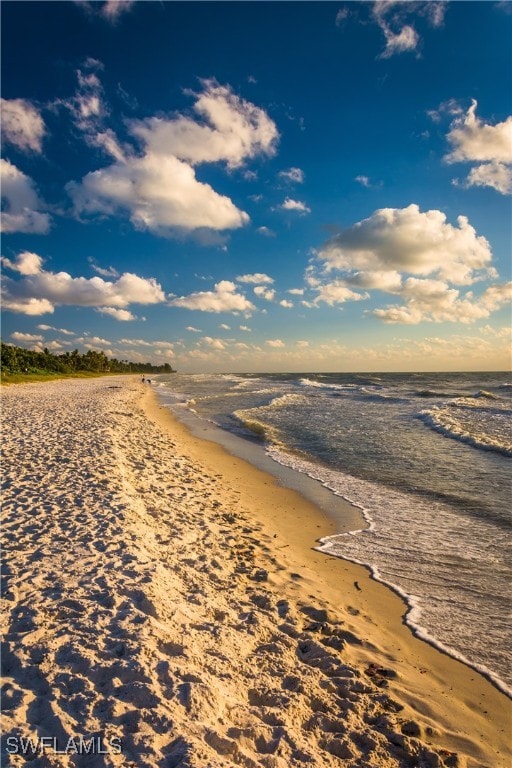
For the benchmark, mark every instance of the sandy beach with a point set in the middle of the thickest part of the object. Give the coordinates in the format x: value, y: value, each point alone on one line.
x: 163, y: 605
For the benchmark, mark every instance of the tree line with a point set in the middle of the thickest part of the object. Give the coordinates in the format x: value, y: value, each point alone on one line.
x: 18, y: 360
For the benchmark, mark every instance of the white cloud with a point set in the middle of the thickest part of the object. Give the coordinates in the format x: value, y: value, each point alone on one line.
x: 89, y: 111
x: 161, y: 194
x: 214, y: 343
x: 27, y: 306
x: 193, y: 330
x: 17, y: 336
x: 233, y: 130
x: 275, y: 343
x: 163, y: 345
x: 392, y: 17
x: 474, y: 141
x: 363, y: 180
x: 223, y: 298
x: 495, y: 175
x: 434, y: 301
x: 55, y: 345
x: 286, y: 304
x: 255, y: 277
x: 22, y: 125
x: 404, y: 40
x: 245, y: 328
x: 409, y: 240
x: 124, y: 315
x: 264, y: 293
x: 40, y: 291
x: 108, y: 272
x: 93, y: 341
x: 26, y: 263
x: 110, y: 10
x: 158, y: 188
x: 225, y: 327
x: 295, y: 175
x: 52, y: 328
x: 266, y: 232
x: 296, y: 291
x: 337, y: 292
x: 416, y: 255
x: 22, y: 202
x: 295, y: 205
x: 341, y: 16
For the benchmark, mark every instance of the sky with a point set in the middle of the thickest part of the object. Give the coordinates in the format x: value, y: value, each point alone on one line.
x: 259, y: 186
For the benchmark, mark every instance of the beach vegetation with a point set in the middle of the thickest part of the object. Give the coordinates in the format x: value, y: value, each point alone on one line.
x: 18, y: 364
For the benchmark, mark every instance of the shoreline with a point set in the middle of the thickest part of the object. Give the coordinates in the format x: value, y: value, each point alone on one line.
x: 375, y: 598
x: 167, y: 594
x: 345, y: 515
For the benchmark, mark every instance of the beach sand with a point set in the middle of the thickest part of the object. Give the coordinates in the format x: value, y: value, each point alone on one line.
x: 164, y: 605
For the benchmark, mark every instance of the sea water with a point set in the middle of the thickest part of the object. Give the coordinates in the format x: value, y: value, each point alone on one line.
x: 426, y: 457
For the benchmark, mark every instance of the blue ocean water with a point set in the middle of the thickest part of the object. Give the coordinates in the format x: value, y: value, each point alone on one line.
x: 427, y: 459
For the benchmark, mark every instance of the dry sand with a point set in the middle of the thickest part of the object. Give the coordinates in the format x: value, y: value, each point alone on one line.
x: 165, y: 599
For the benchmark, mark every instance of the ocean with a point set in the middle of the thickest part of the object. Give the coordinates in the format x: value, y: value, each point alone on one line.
x: 425, y: 457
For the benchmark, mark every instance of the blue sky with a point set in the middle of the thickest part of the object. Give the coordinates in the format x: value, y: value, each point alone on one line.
x: 259, y: 186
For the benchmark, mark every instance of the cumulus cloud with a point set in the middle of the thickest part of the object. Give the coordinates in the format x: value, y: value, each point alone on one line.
x: 26, y: 306
x: 264, y: 293
x: 17, y: 336
x: 214, y: 343
x: 474, y: 141
x: 124, y: 315
x: 336, y: 292
x: 415, y: 255
x: 275, y: 343
x: 22, y: 125
x: 495, y: 175
x: 295, y: 175
x: 158, y: 187
x: 39, y: 291
x: 224, y: 298
x: 295, y: 205
x: 409, y: 240
x: 26, y: 263
x: 255, y: 277
x: 161, y: 195
x: 233, y: 130
x: 435, y: 301
x: 286, y: 304
x: 192, y: 329
x: 21, y: 202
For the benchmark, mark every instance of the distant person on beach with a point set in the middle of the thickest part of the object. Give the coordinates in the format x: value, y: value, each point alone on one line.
x: 143, y: 379
x: 148, y: 381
